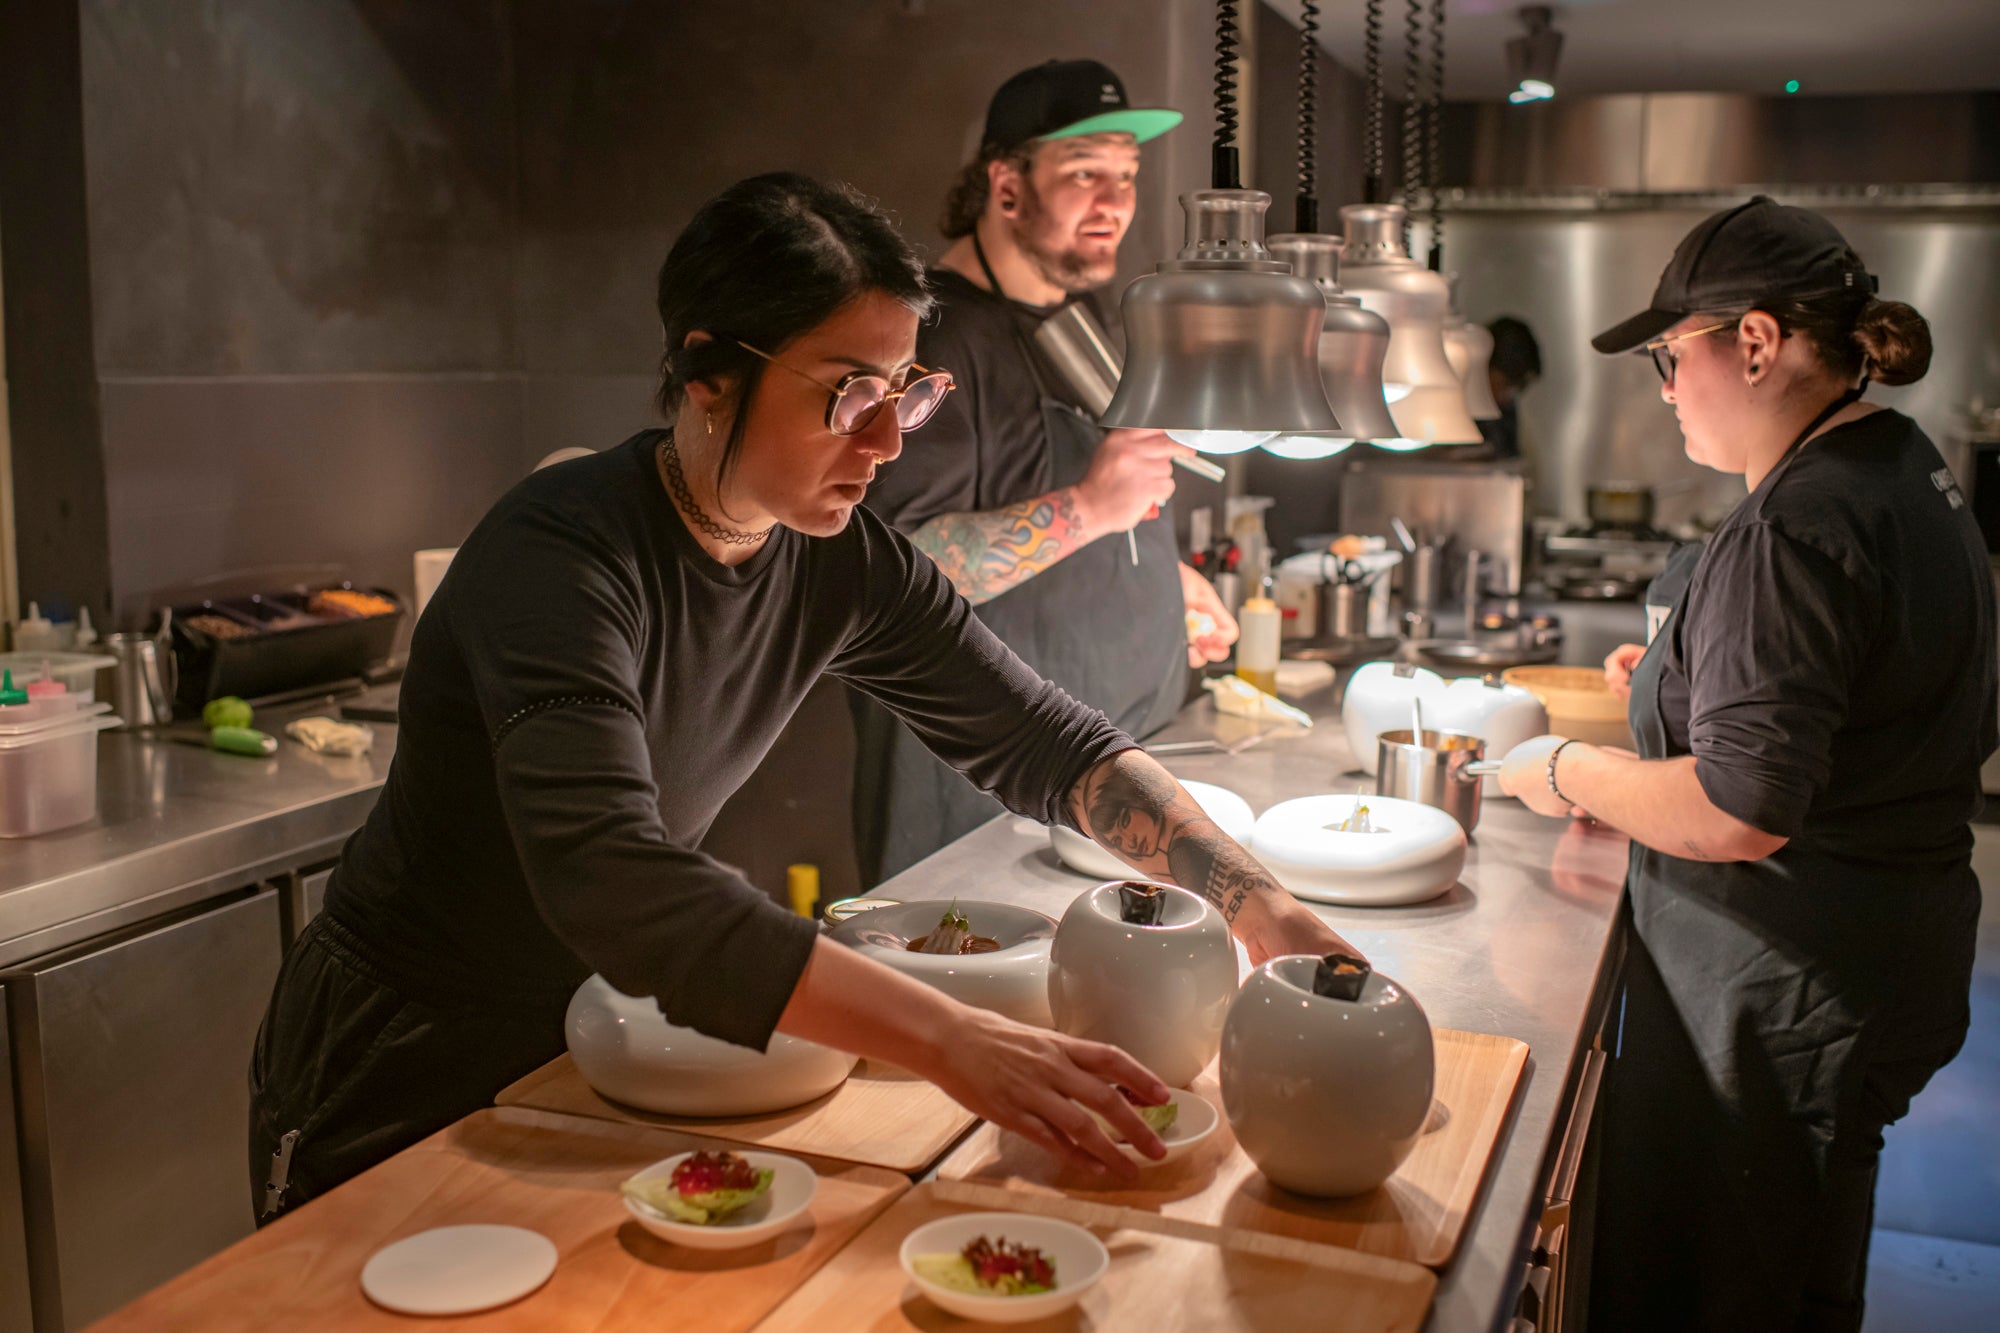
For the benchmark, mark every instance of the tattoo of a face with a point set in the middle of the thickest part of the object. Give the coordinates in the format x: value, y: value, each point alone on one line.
x: 1127, y: 808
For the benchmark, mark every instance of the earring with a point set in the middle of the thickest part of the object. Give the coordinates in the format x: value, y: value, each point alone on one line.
x: 708, y: 419
x: 1753, y: 375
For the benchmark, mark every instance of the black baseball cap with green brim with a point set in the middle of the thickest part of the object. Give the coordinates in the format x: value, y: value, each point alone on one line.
x: 1065, y: 98
x: 1740, y: 258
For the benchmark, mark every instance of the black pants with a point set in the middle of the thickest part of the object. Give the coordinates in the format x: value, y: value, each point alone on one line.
x: 1737, y: 1188
x: 362, y: 1069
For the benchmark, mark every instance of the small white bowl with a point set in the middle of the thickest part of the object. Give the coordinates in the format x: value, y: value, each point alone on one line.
x: 792, y: 1184
x: 1196, y: 1121
x: 1080, y: 1259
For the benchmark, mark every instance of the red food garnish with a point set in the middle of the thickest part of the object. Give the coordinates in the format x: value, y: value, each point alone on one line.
x: 706, y: 1172
x: 994, y: 1261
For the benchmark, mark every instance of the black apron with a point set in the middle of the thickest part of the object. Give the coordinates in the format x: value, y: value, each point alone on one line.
x: 1777, y: 1015
x: 1109, y: 631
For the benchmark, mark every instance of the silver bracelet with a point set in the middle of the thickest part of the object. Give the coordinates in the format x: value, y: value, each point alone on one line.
x: 1554, y: 755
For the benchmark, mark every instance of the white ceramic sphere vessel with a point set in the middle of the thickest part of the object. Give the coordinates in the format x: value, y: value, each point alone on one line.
x: 1418, y: 856
x: 1326, y: 1096
x: 1012, y: 980
x: 1158, y: 992
x: 626, y: 1050
x: 1231, y: 813
x: 1502, y: 715
x: 1377, y: 699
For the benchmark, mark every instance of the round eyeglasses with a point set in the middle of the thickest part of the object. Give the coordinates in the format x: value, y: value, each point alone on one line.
x: 861, y: 395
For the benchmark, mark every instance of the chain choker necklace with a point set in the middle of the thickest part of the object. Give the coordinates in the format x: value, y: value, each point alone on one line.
x: 670, y: 458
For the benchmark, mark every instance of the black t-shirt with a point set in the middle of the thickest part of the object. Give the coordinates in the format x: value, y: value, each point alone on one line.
x: 585, y: 691
x: 986, y: 448
x: 1833, y: 670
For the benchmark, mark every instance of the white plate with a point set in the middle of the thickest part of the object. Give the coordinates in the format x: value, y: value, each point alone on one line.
x: 1418, y: 857
x: 1080, y: 1259
x: 458, y: 1270
x: 792, y: 1184
x: 1196, y: 1121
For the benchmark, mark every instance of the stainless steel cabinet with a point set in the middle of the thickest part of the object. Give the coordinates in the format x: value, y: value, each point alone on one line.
x: 15, y: 1313
x: 131, y: 1058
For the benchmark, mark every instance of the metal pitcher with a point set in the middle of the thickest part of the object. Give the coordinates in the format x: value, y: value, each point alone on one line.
x: 1437, y: 768
x: 144, y: 681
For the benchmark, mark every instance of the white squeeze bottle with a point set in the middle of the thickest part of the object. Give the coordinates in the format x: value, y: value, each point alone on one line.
x: 1258, y: 624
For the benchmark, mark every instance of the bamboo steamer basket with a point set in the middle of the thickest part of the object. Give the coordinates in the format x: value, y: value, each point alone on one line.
x: 1580, y: 702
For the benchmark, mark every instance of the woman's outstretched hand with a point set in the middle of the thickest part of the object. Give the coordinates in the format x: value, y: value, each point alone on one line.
x: 1037, y: 1084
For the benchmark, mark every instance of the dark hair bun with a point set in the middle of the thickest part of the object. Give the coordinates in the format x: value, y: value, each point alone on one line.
x: 1895, y: 339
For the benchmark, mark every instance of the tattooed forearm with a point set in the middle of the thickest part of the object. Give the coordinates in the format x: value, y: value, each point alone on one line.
x: 986, y: 553
x: 1134, y: 808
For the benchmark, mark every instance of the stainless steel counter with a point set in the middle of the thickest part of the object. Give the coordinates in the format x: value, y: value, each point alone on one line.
x: 1521, y: 947
x: 176, y: 824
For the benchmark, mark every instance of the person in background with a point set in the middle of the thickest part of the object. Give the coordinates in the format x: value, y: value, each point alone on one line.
x: 1016, y: 493
x: 1516, y: 363
x: 1811, y: 717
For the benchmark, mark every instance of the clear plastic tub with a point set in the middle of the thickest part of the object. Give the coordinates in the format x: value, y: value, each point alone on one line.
x: 77, y: 671
x: 48, y: 770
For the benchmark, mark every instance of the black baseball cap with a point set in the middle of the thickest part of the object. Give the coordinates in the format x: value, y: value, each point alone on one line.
x: 1740, y: 257
x: 1063, y: 98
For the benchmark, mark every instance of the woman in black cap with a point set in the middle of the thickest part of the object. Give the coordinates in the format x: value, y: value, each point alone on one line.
x: 1811, y: 721
x: 616, y: 647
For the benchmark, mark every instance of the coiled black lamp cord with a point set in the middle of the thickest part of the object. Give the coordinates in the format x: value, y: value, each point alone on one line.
x: 1227, y: 173
x: 1306, y: 211
x: 1371, y: 131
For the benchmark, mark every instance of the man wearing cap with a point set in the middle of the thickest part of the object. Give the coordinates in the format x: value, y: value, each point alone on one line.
x: 1015, y: 491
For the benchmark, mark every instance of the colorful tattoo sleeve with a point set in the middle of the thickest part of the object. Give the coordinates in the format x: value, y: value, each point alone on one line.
x: 986, y: 553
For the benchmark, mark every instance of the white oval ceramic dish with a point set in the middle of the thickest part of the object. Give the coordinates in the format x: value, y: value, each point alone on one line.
x: 1326, y: 1096
x: 792, y: 1186
x: 458, y: 1270
x: 1377, y: 699
x: 625, y: 1048
x: 1231, y: 813
x: 1195, y: 1121
x: 1012, y: 980
x: 1417, y: 856
x: 1159, y: 992
x: 1079, y: 1257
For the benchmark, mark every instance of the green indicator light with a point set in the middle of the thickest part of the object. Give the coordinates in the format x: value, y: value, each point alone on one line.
x: 1791, y: 85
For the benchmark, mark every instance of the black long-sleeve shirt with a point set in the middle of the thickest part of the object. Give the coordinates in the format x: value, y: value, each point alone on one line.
x: 585, y: 690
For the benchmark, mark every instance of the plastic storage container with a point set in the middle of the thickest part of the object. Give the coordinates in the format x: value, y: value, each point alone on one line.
x: 48, y: 767
x: 76, y: 671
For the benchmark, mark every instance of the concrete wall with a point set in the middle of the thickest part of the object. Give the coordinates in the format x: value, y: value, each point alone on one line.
x: 302, y: 224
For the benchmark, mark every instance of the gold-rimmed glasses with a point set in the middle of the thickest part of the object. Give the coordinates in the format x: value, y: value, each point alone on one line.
x: 1667, y: 361
x: 862, y: 394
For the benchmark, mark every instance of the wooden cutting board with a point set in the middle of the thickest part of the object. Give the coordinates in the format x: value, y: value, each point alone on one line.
x: 553, y: 1174
x: 882, y: 1116
x: 1418, y: 1214
x: 1156, y: 1281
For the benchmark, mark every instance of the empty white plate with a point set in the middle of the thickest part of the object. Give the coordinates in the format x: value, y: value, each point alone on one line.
x: 458, y: 1270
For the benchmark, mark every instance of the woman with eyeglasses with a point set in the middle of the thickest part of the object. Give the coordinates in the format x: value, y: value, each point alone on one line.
x: 613, y: 651
x: 1811, y: 720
